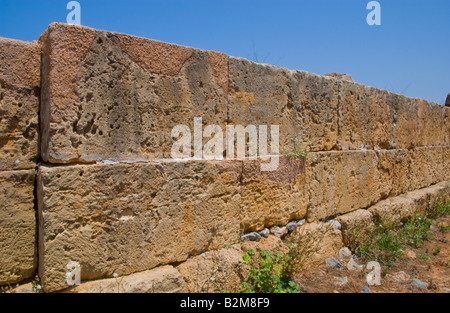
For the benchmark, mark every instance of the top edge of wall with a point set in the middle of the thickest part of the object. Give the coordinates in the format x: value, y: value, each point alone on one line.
x: 56, y: 25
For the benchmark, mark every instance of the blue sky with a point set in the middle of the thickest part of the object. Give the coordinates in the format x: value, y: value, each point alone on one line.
x: 409, y: 53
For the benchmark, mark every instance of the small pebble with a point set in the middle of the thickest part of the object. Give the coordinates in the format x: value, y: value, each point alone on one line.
x: 278, y: 231
x: 264, y: 233
x: 419, y: 284
x: 333, y: 263
x: 335, y: 223
x: 254, y: 236
x: 344, y: 253
x: 292, y: 226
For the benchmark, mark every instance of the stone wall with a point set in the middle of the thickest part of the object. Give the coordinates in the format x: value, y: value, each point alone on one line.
x: 19, y: 106
x: 106, y: 193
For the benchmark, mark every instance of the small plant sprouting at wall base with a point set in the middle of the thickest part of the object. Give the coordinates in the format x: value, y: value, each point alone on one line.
x: 384, y: 241
x: 299, y: 151
x: 417, y: 229
x: 274, y: 273
x: 268, y: 273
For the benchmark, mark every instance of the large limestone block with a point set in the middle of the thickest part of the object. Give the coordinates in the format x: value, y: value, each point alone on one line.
x: 394, y: 168
x: 126, y: 218
x: 215, y: 271
x: 429, y: 165
x: 372, y: 117
x: 19, y: 104
x: 109, y: 96
x: 343, y: 181
x: 339, y: 182
x: 421, y: 123
x: 407, y: 204
x: 259, y: 96
x: 273, y: 198
x: 164, y: 279
x: 406, y: 170
x: 304, y: 105
x: 355, y: 221
x: 18, y: 257
x: 316, y: 103
x: 366, y: 117
x: 322, y: 239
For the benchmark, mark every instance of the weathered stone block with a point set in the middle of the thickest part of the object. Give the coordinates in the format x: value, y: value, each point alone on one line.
x: 371, y: 117
x: 17, y: 226
x: 126, y: 218
x: 272, y: 198
x: 405, y: 205
x: 323, y: 240
x: 215, y: 271
x: 19, y: 104
x: 341, y: 182
x: 304, y: 105
x: 164, y: 279
x: 366, y: 117
x: 420, y: 123
x: 429, y: 165
x: 109, y: 96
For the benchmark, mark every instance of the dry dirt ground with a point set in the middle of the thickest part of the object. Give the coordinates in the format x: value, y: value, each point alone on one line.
x: 430, y: 263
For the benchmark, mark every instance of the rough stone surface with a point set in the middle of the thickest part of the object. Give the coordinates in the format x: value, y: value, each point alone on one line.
x: 407, y: 204
x: 338, y: 182
x: 354, y: 218
x: 344, y: 253
x: 215, y: 271
x: 280, y: 232
x: 108, y: 96
x: 165, y: 279
x: 18, y: 259
x: 372, y: 117
x: 366, y: 117
x: 305, y: 105
x: 273, y: 198
x: 126, y: 218
x: 234, y: 194
x: 341, y: 182
x: 421, y: 123
x: 323, y: 238
x: 26, y: 288
x: 19, y: 104
x: 355, y: 221
x: 264, y: 233
x: 155, y: 56
x: 331, y: 112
